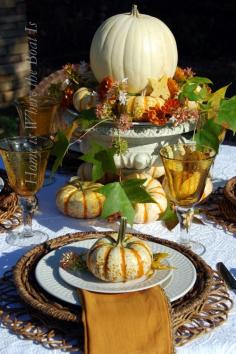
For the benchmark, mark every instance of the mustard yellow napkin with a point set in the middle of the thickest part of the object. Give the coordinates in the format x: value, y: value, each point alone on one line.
x: 131, y: 323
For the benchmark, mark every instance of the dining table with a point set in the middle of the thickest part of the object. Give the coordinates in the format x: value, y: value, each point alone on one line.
x: 220, y: 247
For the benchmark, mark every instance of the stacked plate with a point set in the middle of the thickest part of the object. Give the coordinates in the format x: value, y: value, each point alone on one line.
x: 62, y: 284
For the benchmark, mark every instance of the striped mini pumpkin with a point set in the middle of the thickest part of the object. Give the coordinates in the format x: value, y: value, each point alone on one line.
x: 80, y: 199
x: 114, y: 262
x: 148, y: 212
x: 137, y: 105
x: 84, y: 99
x: 156, y: 171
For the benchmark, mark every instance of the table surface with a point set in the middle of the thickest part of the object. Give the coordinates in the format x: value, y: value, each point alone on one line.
x: 221, y: 246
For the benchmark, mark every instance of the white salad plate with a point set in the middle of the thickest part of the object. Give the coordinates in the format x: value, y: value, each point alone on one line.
x: 52, y: 278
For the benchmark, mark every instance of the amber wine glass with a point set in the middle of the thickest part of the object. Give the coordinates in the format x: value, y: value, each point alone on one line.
x: 25, y: 160
x: 187, y: 167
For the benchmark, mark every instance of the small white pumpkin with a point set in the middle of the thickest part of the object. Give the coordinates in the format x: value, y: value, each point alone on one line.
x: 148, y: 212
x: 84, y: 99
x: 156, y: 171
x: 119, y: 258
x: 80, y: 199
x: 135, y: 46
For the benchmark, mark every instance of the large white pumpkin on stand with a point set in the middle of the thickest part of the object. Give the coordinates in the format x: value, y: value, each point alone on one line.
x: 137, y: 47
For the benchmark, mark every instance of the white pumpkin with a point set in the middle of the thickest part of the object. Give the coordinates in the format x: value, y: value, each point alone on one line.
x: 117, y: 258
x: 135, y: 46
x: 80, y: 199
x: 148, y: 212
x: 156, y: 171
x: 84, y: 99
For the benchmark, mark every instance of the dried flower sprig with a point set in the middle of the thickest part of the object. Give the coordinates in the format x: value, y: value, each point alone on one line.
x: 73, y: 262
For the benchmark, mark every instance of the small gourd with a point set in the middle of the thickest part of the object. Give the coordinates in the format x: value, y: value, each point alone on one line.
x: 80, y: 199
x: 119, y: 259
x: 84, y: 99
x: 138, y: 105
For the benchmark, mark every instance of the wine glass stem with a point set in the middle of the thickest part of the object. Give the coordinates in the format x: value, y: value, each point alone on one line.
x: 27, y: 209
x: 185, y: 216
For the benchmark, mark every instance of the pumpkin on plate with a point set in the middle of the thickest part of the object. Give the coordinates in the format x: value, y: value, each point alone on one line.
x: 117, y: 258
x: 148, y: 212
x: 137, y: 105
x: 84, y: 99
x: 80, y: 199
x: 133, y: 45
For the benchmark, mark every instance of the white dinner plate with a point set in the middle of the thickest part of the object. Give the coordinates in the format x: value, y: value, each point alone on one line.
x: 85, y: 280
x: 47, y: 274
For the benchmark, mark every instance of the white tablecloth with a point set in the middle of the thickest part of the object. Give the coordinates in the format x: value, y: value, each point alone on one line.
x: 221, y: 246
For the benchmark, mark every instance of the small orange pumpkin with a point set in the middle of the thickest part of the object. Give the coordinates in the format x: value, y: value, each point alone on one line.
x: 137, y: 105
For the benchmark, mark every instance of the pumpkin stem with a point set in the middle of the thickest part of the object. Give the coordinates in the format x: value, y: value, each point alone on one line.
x: 122, y: 229
x: 134, y: 11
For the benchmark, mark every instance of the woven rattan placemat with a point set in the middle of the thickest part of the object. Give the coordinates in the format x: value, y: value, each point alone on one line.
x: 220, y: 210
x: 36, y: 315
x: 10, y: 212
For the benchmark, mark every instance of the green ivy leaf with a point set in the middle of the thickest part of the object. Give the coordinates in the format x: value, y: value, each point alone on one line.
x: 227, y: 113
x: 102, y: 159
x: 136, y: 191
x: 87, y: 118
x: 59, y: 150
x: 116, y: 201
x: 208, y: 134
x: 199, y: 80
x: 217, y: 96
x: 169, y: 217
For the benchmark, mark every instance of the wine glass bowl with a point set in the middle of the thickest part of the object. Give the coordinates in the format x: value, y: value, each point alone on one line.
x: 187, y: 167
x: 37, y: 114
x: 25, y: 160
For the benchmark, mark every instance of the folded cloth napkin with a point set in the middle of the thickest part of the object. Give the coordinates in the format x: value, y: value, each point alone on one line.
x: 129, y: 323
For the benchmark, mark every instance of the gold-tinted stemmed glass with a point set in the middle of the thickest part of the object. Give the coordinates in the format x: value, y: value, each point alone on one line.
x: 187, y: 167
x: 38, y: 115
x: 25, y: 160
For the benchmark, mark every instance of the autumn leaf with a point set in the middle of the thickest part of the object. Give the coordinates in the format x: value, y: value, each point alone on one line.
x: 101, y: 158
x: 59, y: 150
x: 121, y: 196
x: 87, y: 118
x: 136, y: 192
x: 160, y: 87
x: 217, y: 96
x: 209, y: 134
x: 169, y: 218
x: 227, y: 113
x: 116, y: 201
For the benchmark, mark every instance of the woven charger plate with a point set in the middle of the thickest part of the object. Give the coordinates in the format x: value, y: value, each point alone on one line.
x: 200, y: 310
x: 10, y: 212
